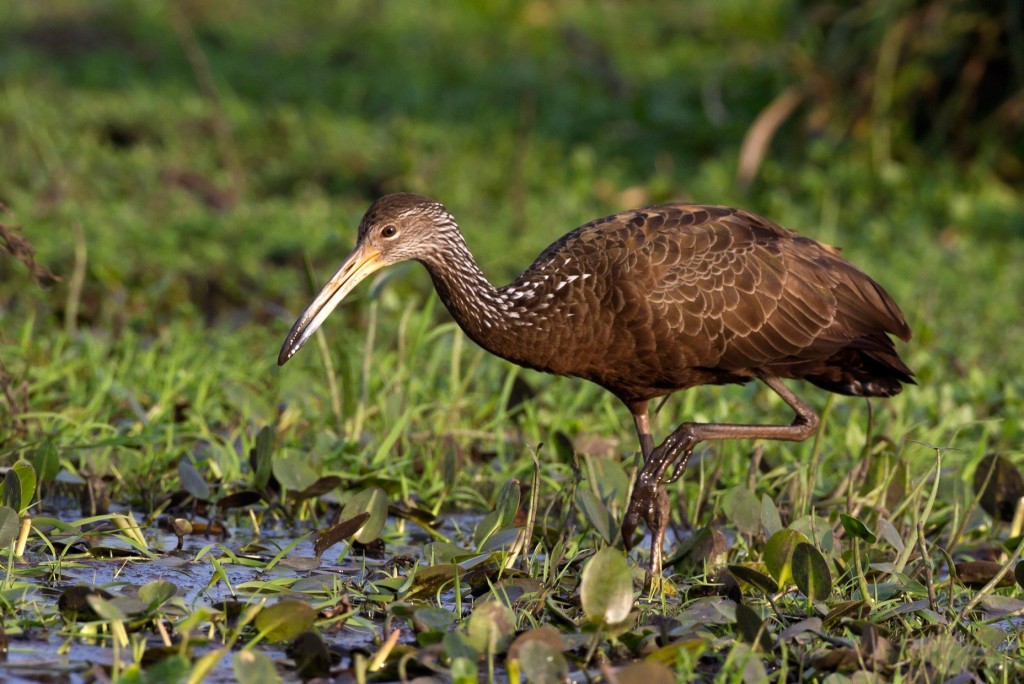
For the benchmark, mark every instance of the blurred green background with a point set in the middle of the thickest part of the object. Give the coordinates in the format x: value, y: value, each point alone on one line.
x: 177, y: 164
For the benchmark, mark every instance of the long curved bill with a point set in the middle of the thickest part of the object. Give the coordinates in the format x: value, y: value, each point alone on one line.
x: 363, y: 261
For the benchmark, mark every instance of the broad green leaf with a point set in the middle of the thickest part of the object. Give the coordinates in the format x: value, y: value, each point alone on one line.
x: 778, y: 554
x: 263, y: 453
x: 751, y: 628
x: 743, y: 510
x: 810, y: 572
x: 432, y: 619
x: 606, y: 588
x: 855, y: 528
x: 254, y: 667
x: 12, y: 490
x: 293, y: 471
x: 491, y: 627
x: 543, y: 664
x: 456, y: 646
x: 770, y: 518
x: 597, y: 514
x: 47, y: 461
x: 27, y: 481
x: 158, y: 592
x: 191, y: 481
x: 371, y: 500
x: 508, y: 503
x: 285, y: 619
x: 10, y: 525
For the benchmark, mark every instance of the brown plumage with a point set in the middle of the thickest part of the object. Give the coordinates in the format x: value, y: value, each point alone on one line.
x: 648, y: 302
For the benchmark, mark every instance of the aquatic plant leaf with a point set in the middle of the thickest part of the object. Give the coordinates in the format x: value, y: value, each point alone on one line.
x: 606, y: 588
x: 254, y: 667
x: 810, y: 572
x: 285, y: 619
x: 262, y: 457
x: 751, y: 629
x: 293, y: 472
x: 242, y: 499
x: 542, y: 663
x: 856, y: 529
x: 47, y: 461
x: 976, y: 574
x: 597, y: 514
x: 771, y: 520
x: 371, y: 500
x: 158, y: 592
x: 339, y: 532
x: 754, y: 578
x: 9, y: 526
x: 778, y: 554
x: 191, y: 481
x: 743, y: 510
x: 491, y: 627
x: 432, y: 619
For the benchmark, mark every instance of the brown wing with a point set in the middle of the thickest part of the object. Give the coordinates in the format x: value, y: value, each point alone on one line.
x: 762, y: 297
x: 711, y: 294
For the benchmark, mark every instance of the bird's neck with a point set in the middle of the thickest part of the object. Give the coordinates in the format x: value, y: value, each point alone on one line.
x: 483, y: 311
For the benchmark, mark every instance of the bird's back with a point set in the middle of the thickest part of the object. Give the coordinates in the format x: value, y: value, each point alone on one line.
x: 653, y: 300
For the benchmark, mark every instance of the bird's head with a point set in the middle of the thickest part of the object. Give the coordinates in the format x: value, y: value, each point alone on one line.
x: 395, y: 228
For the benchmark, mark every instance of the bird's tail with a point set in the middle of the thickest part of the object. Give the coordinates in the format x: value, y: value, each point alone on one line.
x: 870, y: 367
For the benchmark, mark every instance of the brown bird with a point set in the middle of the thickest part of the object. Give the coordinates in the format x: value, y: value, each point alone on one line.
x: 648, y: 302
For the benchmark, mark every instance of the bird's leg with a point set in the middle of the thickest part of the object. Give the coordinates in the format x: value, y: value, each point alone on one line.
x: 650, y: 500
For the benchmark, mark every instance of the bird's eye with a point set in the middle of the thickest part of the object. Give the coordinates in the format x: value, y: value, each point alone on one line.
x: 388, y: 231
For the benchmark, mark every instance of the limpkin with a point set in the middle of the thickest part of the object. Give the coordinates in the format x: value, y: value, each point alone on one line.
x: 648, y: 302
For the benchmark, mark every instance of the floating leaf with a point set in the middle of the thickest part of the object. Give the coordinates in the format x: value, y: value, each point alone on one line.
x: 457, y: 647
x: 294, y: 472
x: 371, y: 500
x: 1000, y: 484
x: 778, y: 554
x: 542, y: 663
x: 743, y: 510
x: 73, y: 602
x: 336, y: 533
x: 856, y: 529
x: 433, y: 619
x: 546, y: 633
x: 755, y: 578
x: 606, y: 588
x: 9, y: 526
x: 285, y: 619
x: 254, y: 667
x: 508, y: 502
x: 770, y: 518
x: 191, y: 481
x: 157, y: 593
x: 597, y: 514
x: 47, y: 461
x: 491, y: 627
x: 810, y: 572
x: 751, y: 628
